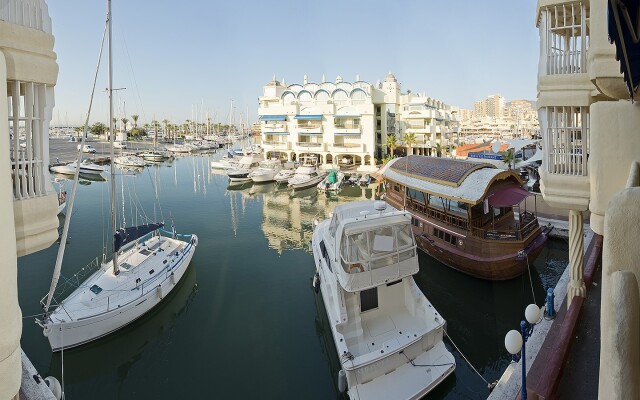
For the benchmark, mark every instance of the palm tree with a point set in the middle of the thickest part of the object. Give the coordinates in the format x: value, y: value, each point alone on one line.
x: 392, y: 143
x: 165, y: 122
x: 135, y: 120
x: 124, y: 122
x: 509, y: 158
x: 438, y: 149
x: 409, y: 140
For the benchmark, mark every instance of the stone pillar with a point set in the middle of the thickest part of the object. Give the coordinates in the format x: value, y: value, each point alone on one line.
x: 576, y: 256
x: 11, y: 325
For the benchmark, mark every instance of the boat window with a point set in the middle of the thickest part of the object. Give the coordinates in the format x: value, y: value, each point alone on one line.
x: 323, y: 249
x: 96, y: 289
x: 126, y: 266
x: 369, y: 299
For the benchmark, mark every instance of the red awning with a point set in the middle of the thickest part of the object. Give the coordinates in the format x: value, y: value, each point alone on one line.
x: 508, y: 195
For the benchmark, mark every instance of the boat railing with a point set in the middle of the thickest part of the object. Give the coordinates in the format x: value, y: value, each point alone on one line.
x: 507, y: 234
x: 70, y: 284
x: 376, y: 262
x: 447, y: 218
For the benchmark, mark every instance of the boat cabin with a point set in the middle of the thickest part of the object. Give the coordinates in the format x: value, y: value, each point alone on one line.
x: 374, y: 247
x: 471, y: 216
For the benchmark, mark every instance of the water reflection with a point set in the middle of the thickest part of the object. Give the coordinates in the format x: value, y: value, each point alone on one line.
x: 119, y: 352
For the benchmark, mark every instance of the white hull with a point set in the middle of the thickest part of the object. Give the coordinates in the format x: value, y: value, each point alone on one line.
x: 65, y: 334
x: 377, y: 345
x: 264, y: 177
x: 303, y: 184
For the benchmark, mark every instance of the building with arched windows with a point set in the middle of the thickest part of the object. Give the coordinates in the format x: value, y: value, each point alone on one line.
x: 348, y: 123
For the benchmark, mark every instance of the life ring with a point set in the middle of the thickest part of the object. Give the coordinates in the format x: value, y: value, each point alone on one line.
x: 356, y: 266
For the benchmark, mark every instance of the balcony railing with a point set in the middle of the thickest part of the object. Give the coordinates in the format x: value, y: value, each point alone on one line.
x: 26, y: 109
x: 567, y: 140
x: 308, y: 144
x: 275, y: 127
x: 565, y: 32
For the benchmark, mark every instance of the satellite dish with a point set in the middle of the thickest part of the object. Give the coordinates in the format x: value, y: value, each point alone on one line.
x: 495, y: 147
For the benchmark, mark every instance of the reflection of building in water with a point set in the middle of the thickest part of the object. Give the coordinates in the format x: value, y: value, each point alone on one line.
x: 287, y: 222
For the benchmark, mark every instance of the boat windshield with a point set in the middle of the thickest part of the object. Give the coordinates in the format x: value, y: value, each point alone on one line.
x: 378, y: 247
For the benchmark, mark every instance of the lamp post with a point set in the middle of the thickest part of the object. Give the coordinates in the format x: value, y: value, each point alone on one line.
x: 515, y: 341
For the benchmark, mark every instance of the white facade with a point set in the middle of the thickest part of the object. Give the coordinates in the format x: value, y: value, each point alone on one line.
x: 344, y: 123
x: 28, y: 221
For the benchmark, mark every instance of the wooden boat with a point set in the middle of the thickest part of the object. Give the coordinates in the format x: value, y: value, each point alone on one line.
x: 463, y: 214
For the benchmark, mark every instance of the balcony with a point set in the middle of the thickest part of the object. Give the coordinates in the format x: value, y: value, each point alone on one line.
x: 274, y: 127
x: 564, y: 33
x: 347, y: 147
x: 276, y: 145
x: 309, y: 144
x: 35, y: 204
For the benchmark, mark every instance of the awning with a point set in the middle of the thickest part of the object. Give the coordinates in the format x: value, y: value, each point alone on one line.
x: 309, y: 134
x: 508, y: 195
x: 346, y: 134
x: 273, y: 118
x: 275, y: 133
x: 310, y: 117
x: 624, y: 26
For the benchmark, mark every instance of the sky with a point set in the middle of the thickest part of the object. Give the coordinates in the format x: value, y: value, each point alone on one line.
x: 186, y: 60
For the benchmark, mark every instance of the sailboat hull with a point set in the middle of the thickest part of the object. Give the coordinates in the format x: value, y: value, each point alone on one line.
x: 78, y: 331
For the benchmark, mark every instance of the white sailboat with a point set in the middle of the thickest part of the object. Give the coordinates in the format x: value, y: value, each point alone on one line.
x: 147, y: 263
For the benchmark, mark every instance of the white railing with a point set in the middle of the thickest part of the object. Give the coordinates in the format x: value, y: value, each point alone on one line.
x: 567, y: 140
x: 566, y: 37
x: 26, y: 109
x: 29, y: 13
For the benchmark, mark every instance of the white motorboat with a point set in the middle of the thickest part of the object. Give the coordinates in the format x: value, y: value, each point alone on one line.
x: 86, y: 167
x: 364, y: 180
x: 227, y: 162
x: 266, y: 171
x: 332, y: 182
x: 180, y: 148
x: 146, y: 263
x: 388, y: 336
x: 245, y: 166
x: 284, y: 175
x: 154, y: 155
x: 354, y: 179
x: 130, y: 161
x: 307, y: 174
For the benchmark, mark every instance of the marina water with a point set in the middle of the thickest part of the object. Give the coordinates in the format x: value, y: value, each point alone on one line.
x: 244, y: 322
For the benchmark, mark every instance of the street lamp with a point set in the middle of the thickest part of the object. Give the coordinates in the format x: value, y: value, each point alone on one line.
x: 515, y: 341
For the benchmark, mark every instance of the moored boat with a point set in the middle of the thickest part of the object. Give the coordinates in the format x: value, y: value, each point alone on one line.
x: 464, y: 215
x: 332, y: 182
x: 307, y: 174
x: 385, y: 331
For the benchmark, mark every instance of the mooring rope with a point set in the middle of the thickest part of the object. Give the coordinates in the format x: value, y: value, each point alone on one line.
x: 489, y: 385
x: 531, y: 281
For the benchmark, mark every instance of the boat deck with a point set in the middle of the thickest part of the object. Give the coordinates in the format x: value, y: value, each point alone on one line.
x: 104, y: 290
x: 392, y: 324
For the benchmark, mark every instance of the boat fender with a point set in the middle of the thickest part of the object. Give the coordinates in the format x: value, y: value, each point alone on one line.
x: 173, y: 278
x: 342, y: 381
x: 54, y: 386
x: 159, y: 291
x: 316, y: 282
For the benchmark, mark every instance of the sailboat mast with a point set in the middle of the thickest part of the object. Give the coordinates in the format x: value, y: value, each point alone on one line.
x: 111, y: 127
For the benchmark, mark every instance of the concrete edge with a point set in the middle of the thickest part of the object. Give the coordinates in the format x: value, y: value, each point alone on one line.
x: 33, y: 386
x: 510, y: 382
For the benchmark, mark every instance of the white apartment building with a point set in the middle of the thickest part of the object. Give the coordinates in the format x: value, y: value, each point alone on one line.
x: 493, y: 118
x: 346, y: 123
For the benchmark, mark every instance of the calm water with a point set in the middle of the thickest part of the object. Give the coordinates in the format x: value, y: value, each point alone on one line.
x: 245, y: 322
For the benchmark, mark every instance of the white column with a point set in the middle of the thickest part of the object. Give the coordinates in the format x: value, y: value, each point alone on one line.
x: 576, y: 256
x: 10, y: 315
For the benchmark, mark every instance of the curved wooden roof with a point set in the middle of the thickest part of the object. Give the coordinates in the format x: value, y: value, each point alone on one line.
x: 464, y: 181
x: 445, y: 171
